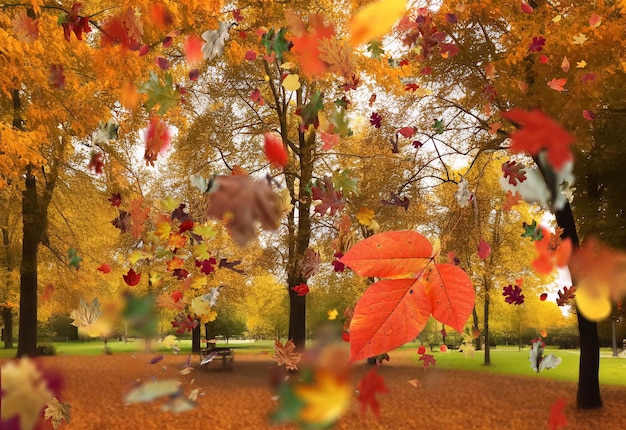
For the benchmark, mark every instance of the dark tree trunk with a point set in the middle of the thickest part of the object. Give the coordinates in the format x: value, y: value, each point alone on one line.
x: 479, y: 344
x: 195, y: 339
x: 486, y: 330
x: 7, y: 318
x: 27, y: 337
x: 588, y: 395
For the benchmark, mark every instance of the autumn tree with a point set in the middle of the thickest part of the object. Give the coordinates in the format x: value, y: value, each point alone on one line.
x: 482, y: 61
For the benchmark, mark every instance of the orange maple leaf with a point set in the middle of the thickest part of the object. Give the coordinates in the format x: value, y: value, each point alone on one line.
x: 557, y: 84
x: 552, y: 251
x: 306, y: 46
x: 540, y: 132
x: 394, y: 310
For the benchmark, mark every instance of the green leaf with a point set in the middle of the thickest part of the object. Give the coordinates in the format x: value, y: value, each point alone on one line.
x: 375, y: 47
x: 533, y: 231
x: 345, y: 182
x: 309, y: 112
x: 276, y: 42
x: 163, y: 95
x: 438, y: 126
x: 341, y: 122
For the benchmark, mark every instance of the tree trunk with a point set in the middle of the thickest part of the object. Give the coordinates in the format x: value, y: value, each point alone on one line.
x: 486, y: 330
x: 479, y: 345
x: 195, y: 339
x: 588, y: 395
x: 27, y: 337
x: 7, y: 318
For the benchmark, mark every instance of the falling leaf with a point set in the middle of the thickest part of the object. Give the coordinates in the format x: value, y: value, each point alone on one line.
x: 184, y: 323
x: 407, y: 132
x: 56, y: 76
x: 581, y: 64
x: 26, y: 29
x: 157, y: 139
x: 443, y: 348
x: 557, y: 418
x: 152, y: 390
x: 242, y: 201
x: 332, y: 314
x: 104, y: 268
x: 511, y: 200
x: 526, y: 8
x: 87, y: 315
x: 543, y: 297
x: 484, y: 250
x: 427, y: 360
x: 332, y: 201
x: 513, y: 294
x: 163, y: 95
x: 537, y: 44
x: 393, y: 311
x: 25, y: 392
x: 595, y: 20
x: 286, y: 355
x: 565, y: 295
x: 543, y: 59
x: 72, y: 22
x: 73, y: 259
x: 157, y: 359
x: 540, y: 132
x: 325, y: 399
x: 291, y: 82
x: 514, y: 171
x: 57, y: 411
x: 301, y: 290
x: 580, y: 39
x: 415, y: 383
x: 556, y: 18
x: 538, y: 361
x: 132, y: 278
x: 371, y: 384
x: 275, y: 150
x: 216, y: 40
x: 375, y: 20
x: 462, y: 194
x: 565, y: 65
x: 543, y: 333
x: 192, y: 47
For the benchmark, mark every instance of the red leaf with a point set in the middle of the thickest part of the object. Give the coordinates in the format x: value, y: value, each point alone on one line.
x: 192, y: 47
x: 162, y: 62
x: 538, y: 132
x: 157, y: 140
x: 371, y: 384
x: 557, y: 418
x: 568, y: 293
x: 421, y: 350
x: 96, y: 163
x: 407, y: 132
x: 484, y: 250
x: 56, y: 77
x: 104, y: 268
x: 237, y: 15
x: 302, y: 289
x: 250, y: 55
x: 275, y: 150
x: 428, y: 360
x: 543, y: 297
x: 132, y: 278
x: 526, y: 8
x: 514, y: 171
x: 443, y: 348
x: 589, y: 115
x: 332, y: 200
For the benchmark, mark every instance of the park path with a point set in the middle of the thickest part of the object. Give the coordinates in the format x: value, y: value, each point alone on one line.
x: 241, y: 399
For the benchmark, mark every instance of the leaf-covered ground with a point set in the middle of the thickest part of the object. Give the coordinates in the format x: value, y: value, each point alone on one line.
x: 242, y: 399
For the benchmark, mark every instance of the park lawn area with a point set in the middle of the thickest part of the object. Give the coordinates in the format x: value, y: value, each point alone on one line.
x: 95, y: 347
x: 511, y: 361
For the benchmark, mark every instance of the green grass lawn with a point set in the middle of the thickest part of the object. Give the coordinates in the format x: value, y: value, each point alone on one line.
x: 510, y: 361
x: 96, y: 347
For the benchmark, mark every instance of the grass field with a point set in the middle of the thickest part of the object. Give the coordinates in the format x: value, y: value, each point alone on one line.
x: 504, y: 360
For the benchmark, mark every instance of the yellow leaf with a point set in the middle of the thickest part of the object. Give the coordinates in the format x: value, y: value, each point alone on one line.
x: 162, y: 230
x: 375, y: 20
x: 169, y: 341
x: 200, y: 251
x: 593, y: 301
x: 332, y: 314
x: 170, y: 204
x: 288, y: 65
x: 326, y: 399
x: 365, y: 216
x: 199, y: 283
x: 199, y: 306
x: 580, y: 39
x: 206, y: 231
x: 581, y: 64
x: 134, y: 257
x: 556, y: 18
x: 291, y: 82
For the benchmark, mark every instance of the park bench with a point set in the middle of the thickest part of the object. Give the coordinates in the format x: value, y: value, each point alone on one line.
x: 212, y: 353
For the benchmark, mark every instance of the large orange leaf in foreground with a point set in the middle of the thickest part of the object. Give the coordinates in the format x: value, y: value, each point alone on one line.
x: 394, y: 310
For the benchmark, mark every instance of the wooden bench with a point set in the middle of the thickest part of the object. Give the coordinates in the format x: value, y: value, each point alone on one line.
x: 209, y: 355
